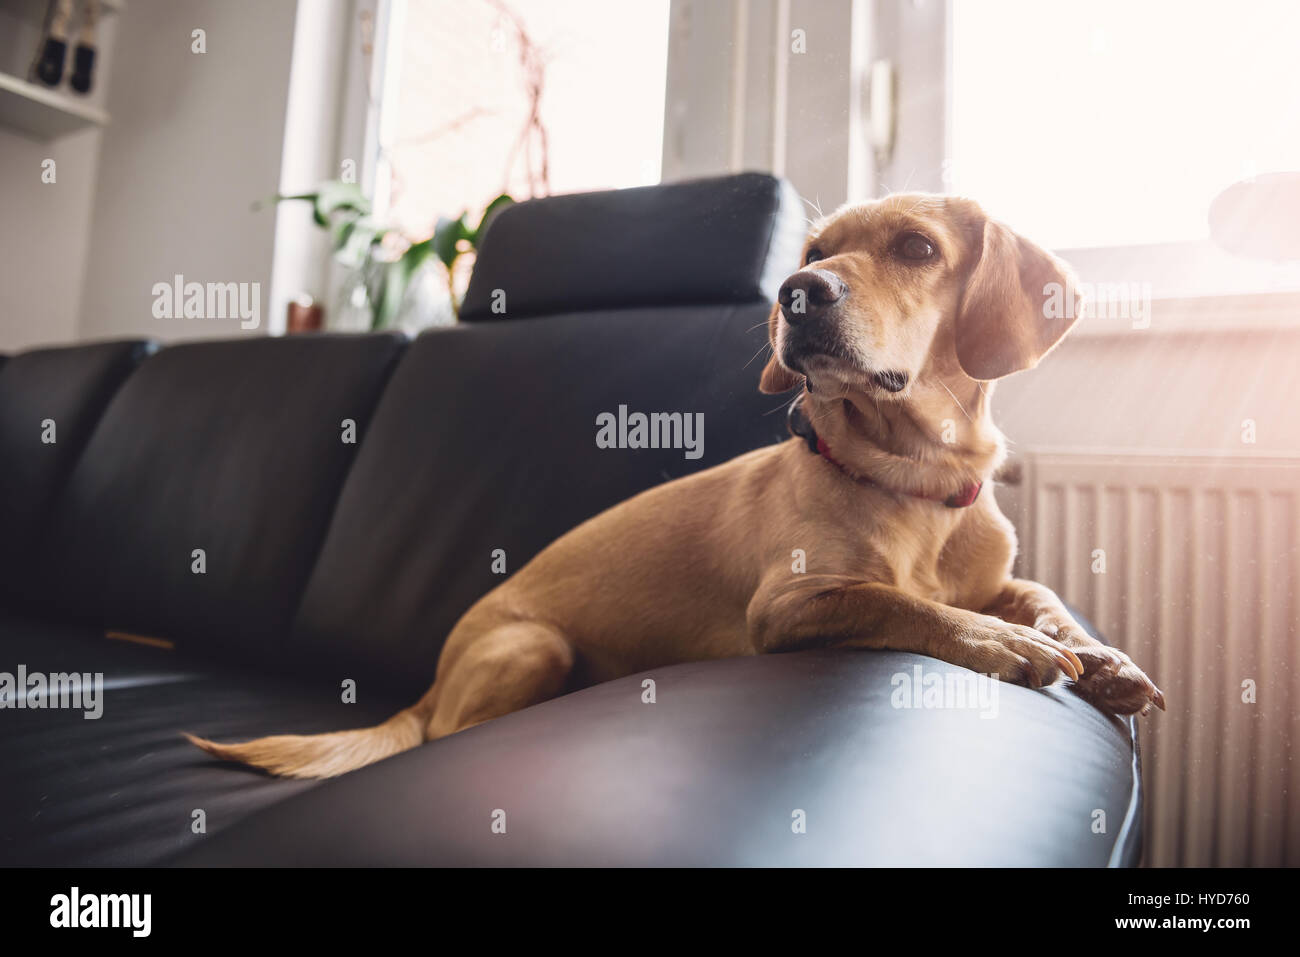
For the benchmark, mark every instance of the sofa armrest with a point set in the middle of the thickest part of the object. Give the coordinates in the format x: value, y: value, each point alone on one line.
x: 815, y: 758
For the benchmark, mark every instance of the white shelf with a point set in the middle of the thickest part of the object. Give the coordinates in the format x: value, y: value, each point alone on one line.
x: 42, y: 113
x: 35, y: 9
x: 31, y: 108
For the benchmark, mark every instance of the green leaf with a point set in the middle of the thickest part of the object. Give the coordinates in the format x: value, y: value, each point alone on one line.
x: 391, y: 289
x: 397, y: 277
x: 329, y: 198
x: 501, y: 202
x: 310, y: 197
x: 341, y: 232
x: 448, y: 233
x: 355, y: 248
x: 416, y: 255
x: 280, y: 198
x: 334, y: 196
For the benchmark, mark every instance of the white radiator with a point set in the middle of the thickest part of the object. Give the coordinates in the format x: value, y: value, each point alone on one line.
x: 1201, y: 586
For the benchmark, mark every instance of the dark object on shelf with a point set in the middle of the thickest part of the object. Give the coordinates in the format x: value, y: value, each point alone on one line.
x: 83, y: 64
x: 305, y: 315
x: 52, y: 51
x: 49, y: 70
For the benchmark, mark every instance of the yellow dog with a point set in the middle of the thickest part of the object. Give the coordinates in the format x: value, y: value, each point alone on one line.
x: 904, y: 312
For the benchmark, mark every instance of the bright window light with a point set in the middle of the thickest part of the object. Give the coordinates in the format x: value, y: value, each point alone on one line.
x: 1095, y: 123
x: 460, y: 132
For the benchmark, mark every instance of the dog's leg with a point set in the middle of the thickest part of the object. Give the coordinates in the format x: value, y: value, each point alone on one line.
x: 838, y: 611
x: 503, y: 669
x: 1111, y: 680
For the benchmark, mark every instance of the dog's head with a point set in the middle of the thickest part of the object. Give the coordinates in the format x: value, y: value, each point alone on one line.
x: 913, y: 290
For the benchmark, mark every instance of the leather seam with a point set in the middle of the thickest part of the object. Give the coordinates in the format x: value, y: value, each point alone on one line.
x: 1120, y: 850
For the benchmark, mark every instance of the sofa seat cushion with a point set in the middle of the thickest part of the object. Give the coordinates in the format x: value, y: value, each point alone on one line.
x: 122, y: 789
x: 716, y: 771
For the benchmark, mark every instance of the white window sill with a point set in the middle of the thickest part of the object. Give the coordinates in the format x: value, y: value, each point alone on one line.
x: 1255, y: 312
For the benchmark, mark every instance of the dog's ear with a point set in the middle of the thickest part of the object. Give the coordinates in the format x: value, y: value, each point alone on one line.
x: 776, y: 377
x: 1018, y: 302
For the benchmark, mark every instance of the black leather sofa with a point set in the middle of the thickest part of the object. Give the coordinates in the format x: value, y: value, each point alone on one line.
x: 326, y: 562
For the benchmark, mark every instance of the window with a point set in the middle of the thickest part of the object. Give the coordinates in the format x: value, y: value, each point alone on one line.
x: 1105, y: 128
x: 529, y: 97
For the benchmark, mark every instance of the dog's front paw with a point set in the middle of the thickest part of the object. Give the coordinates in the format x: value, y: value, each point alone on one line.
x: 1113, y: 683
x: 1014, y: 653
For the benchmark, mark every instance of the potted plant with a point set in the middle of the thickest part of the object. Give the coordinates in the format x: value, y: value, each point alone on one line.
x: 387, y: 270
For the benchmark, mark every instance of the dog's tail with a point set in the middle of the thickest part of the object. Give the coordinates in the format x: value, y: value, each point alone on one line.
x: 324, y: 755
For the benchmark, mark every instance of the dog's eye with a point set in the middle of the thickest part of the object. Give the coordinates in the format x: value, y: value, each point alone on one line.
x: 814, y: 254
x: 914, y: 248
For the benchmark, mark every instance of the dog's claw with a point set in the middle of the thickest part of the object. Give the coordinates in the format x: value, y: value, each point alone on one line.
x: 1159, y: 699
x: 1068, y: 667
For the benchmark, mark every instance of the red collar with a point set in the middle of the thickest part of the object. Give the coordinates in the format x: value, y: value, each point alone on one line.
x: 961, y: 499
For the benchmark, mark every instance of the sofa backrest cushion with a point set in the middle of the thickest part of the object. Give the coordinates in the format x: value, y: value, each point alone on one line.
x: 50, y: 400
x: 729, y: 239
x: 236, y: 449
x: 486, y: 439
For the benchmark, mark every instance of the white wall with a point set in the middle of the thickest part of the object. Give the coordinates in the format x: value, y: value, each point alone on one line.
x: 194, y: 140
x: 45, y: 236
x: 1189, y: 391
x: 44, y: 243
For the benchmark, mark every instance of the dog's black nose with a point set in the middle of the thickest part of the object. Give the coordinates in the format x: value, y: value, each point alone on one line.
x: 809, y: 293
